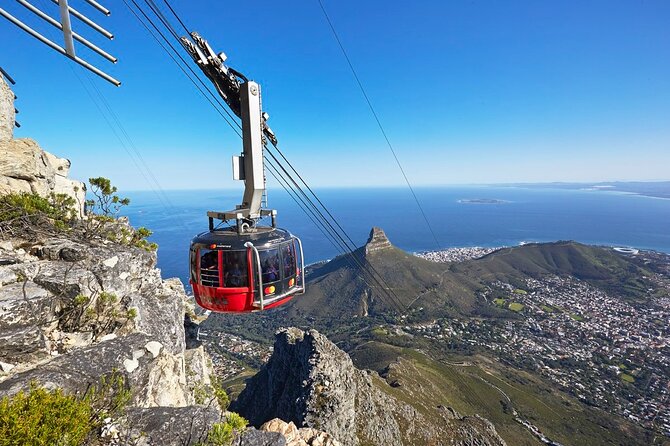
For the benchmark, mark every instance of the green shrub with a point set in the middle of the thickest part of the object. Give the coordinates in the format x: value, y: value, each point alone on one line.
x: 41, y: 417
x: 223, y: 433
x: 24, y: 209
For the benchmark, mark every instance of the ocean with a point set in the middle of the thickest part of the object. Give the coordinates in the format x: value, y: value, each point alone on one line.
x: 514, y: 215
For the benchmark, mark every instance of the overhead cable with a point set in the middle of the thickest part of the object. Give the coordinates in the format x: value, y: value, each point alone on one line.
x: 379, y: 124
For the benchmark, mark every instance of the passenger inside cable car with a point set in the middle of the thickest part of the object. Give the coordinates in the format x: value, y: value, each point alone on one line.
x: 209, y: 265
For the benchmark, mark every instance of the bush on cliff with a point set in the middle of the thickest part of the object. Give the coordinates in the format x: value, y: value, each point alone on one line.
x: 29, y: 214
x: 41, y: 417
x: 20, y: 211
x: 223, y: 433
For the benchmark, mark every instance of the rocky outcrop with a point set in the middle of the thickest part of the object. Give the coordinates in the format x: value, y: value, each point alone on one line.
x: 25, y: 167
x: 72, y: 313
x: 314, y: 384
x: 92, y: 309
x: 377, y: 241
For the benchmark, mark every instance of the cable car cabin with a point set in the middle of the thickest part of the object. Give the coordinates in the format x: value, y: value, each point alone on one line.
x: 225, y: 269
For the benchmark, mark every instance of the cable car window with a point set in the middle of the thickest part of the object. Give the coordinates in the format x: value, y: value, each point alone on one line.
x: 193, y: 255
x: 235, y: 268
x: 209, y: 267
x: 270, y: 265
x: 288, y: 253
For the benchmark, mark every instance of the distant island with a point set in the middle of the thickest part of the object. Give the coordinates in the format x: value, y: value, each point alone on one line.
x: 482, y: 201
x: 654, y: 189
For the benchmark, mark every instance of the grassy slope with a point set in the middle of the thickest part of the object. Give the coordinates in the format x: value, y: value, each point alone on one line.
x: 467, y: 385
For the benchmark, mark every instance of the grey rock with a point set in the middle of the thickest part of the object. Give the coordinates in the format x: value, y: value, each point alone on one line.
x: 61, y: 249
x: 65, y: 280
x: 76, y: 370
x: 80, y: 368
x: 199, y: 374
x: 23, y: 159
x: 25, y: 303
x: 161, y: 313
x: 7, y: 275
x: 169, y: 426
x: 253, y: 437
x: 22, y: 344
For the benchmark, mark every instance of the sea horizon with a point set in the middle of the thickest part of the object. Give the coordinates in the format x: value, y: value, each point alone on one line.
x: 593, y: 217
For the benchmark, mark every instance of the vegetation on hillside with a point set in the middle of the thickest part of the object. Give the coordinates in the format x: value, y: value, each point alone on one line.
x: 460, y: 293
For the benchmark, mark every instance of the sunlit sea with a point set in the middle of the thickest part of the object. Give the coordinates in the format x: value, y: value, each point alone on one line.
x: 519, y: 215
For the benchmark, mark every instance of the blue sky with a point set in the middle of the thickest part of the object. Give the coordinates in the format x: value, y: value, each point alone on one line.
x: 468, y: 91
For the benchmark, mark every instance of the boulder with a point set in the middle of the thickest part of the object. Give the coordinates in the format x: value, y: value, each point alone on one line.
x: 305, y: 436
x: 61, y: 249
x: 23, y: 159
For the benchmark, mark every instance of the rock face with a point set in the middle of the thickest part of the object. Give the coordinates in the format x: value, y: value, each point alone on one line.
x: 7, y: 115
x: 25, y: 167
x: 93, y: 309
x: 312, y: 383
x: 74, y: 312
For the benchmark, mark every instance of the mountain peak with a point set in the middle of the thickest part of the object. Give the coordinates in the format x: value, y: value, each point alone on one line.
x: 377, y: 241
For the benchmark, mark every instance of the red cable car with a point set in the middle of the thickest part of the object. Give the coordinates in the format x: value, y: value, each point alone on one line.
x: 244, y: 267
x: 257, y: 271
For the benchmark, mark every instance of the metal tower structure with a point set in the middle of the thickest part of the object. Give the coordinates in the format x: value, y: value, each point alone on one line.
x: 244, y: 99
x: 64, y: 23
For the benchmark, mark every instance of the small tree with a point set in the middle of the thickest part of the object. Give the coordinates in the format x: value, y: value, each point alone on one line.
x: 102, y: 211
x: 106, y: 202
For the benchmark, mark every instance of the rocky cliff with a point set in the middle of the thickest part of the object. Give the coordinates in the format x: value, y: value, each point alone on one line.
x: 72, y: 313
x: 312, y: 383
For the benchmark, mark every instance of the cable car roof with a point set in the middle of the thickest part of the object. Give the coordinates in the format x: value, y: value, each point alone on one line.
x: 228, y: 238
